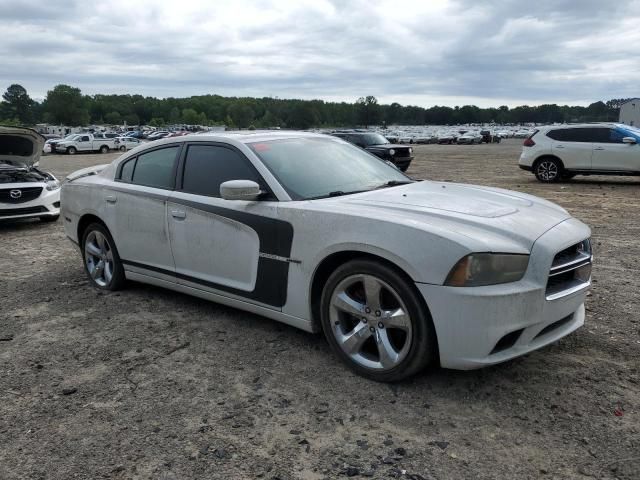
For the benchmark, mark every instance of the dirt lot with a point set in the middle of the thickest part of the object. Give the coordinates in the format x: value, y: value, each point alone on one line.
x: 150, y: 384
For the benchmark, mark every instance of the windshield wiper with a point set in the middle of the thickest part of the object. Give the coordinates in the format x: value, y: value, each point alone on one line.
x: 336, y: 193
x: 393, y: 183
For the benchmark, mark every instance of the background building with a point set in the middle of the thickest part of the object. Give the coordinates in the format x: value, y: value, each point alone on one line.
x: 630, y: 113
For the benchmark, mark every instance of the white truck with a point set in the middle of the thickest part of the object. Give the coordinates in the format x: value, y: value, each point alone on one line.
x: 86, y: 142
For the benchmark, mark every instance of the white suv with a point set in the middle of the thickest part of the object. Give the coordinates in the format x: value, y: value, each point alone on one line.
x: 560, y: 152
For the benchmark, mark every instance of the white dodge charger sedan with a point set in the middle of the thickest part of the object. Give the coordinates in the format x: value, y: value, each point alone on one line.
x: 319, y: 234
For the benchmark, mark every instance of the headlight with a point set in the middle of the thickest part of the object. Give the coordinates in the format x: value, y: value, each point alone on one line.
x: 53, y: 185
x: 410, y: 150
x: 480, y: 269
x: 392, y: 152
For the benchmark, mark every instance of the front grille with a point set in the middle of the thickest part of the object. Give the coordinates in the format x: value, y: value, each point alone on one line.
x: 402, y: 152
x: 25, y: 194
x: 9, y: 212
x: 570, y: 270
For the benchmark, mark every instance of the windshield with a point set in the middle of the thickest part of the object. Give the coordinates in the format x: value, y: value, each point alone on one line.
x: 321, y: 167
x: 374, y: 139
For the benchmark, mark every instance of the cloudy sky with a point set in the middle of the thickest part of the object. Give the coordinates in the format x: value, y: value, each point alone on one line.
x: 456, y: 52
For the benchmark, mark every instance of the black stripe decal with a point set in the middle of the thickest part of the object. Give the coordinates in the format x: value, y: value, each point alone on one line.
x: 276, y: 239
x: 269, y: 288
x: 276, y: 236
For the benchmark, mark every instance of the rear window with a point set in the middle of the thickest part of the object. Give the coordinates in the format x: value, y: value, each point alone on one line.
x: 11, y: 145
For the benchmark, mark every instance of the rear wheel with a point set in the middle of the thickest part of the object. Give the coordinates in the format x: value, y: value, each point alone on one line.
x: 548, y: 170
x: 101, y: 260
x: 375, y: 321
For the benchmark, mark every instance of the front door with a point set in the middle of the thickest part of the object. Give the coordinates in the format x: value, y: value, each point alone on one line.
x: 84, y: 143
x: 231, y: 247
x: 612, y: 154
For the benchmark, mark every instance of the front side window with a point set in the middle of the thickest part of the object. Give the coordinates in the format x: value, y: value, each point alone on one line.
x: 84, y: 139
x: 319, y: 167
x: 156, y: 168
x: 206, y: 167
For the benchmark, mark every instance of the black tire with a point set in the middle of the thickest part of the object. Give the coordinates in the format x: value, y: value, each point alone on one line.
x: 422, y: 350
x: 118, y: 279
x: 52, y: 218
x: 104, y: 149
x: 72, y: 150
x: 404, y: 168
x: 548, y: 170
x: 123, y: 148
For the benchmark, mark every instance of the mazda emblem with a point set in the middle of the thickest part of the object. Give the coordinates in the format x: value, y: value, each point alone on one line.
x: 15, y: 194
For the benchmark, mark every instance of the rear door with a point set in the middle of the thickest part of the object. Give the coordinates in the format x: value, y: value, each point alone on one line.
x: 137, y: 209
x: 610, y: 153
x: 574, y: 146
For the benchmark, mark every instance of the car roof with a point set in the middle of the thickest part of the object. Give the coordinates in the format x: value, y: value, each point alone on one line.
x: 577, y: 125
x: 245, y: 137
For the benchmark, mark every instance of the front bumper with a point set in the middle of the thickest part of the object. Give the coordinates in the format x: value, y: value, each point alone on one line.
x: 46, y: 205
x: 481, y: 326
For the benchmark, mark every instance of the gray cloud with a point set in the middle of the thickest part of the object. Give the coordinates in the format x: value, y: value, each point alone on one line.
x: 456, y: 52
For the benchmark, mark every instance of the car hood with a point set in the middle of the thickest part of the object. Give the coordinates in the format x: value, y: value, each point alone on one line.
x: 19, y: 146
x: 389, y: 146
x: 490, y: 219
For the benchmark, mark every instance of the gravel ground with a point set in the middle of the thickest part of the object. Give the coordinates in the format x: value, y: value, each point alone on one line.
x: 151, y: 384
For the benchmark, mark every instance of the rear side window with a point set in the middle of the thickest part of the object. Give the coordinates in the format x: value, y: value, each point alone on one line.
x: 572, y: 135
x: 156, y: 168
x: 206, y: 167
x: 126, y: 174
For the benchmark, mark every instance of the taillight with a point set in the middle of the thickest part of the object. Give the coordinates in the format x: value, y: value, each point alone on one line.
x: 528, y: 142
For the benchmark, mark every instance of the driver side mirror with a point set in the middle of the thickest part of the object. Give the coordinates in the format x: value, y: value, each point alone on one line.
x: 629, y: 140
x: 240, y: 190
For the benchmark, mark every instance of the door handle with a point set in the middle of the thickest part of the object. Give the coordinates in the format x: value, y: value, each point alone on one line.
x: 111, y: 199
x: 559, y: 146
x: 179, y: 214
x: 599, y: 148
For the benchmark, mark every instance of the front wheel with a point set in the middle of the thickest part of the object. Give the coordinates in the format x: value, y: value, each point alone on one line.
x: 104, y: 149
x: 375, y: 321
x: 72, y: 150
x: 102, y: 263
x: 123, y: 148
x: 548, y: 170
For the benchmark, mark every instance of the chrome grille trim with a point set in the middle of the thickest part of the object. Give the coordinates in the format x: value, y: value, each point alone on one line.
x: 562, y: 281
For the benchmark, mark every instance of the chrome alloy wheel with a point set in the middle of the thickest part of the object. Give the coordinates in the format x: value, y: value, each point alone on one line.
x: 370, y: 322
x: 548, y: 170
x: 98, y: 257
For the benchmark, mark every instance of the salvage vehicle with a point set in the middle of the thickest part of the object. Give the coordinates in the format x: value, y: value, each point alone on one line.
x: 561, y: 152
x: 400, y: 155
x: 310, y: 230
x: 86, y: 142
x: 25, y: 190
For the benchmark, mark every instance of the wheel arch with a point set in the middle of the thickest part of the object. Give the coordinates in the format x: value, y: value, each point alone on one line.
x: 332, y: 261
x: 86, y: 220
x: 548, y: 156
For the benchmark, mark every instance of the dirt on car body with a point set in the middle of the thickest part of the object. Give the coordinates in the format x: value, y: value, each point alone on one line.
x: 150, y: 384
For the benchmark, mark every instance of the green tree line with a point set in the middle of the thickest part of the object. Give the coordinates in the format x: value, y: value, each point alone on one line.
x: 67, y: 105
